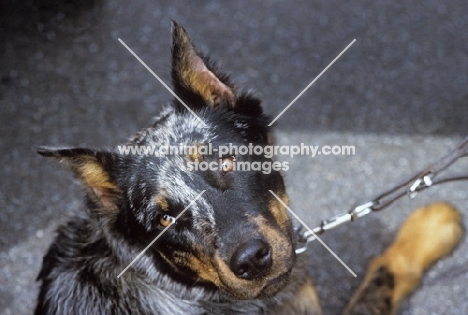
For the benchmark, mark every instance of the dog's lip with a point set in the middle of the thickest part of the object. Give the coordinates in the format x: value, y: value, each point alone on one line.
x: 277, y: 279
x: 270, y: 288
x: 274, y: 285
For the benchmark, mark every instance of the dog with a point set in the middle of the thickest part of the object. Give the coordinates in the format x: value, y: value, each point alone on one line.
x: 228, y: 245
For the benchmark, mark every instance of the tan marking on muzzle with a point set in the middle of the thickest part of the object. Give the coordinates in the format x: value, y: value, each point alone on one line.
x: 202, y: 265
x: 204, y: 269
x: 279, y: 212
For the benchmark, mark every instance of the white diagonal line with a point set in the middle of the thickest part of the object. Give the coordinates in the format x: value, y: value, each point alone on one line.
x: 162, y: 232
x: 313, y: 81
x: 318, y: 238
x: 162, y: 82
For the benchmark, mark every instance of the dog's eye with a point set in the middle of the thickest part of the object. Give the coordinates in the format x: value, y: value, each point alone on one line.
x: 228, y: 164
x: 165, y: 220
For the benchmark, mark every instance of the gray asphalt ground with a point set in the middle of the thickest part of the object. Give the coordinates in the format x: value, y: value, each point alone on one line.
x: 399, y: 95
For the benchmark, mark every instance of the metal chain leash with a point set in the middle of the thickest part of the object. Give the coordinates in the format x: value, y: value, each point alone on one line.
x: 411, y: 187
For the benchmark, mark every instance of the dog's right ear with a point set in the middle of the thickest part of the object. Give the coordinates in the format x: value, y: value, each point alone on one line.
x: 196, y: 82
x: 92, y: 168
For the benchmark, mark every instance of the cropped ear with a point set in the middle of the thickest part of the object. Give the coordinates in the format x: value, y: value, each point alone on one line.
x: 92, y: 168
x: 195, y: 82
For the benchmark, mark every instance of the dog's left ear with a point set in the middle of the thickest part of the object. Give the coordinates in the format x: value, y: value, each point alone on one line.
x: 92, y: 168
x: 194, y: 81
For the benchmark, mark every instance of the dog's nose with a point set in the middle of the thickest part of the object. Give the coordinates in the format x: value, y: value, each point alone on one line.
x: 251, y: 259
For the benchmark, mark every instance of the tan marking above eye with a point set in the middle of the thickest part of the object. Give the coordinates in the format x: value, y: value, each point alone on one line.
x: 165, y: 220
x: 227, y: 164
x: 195, y: 152
x: 162, y: 202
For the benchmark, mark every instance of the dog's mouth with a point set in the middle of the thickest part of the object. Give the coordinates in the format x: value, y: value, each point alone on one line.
x: 256, y: 289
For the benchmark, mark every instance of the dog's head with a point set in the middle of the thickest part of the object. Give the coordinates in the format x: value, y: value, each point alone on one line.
x: 236, y: 236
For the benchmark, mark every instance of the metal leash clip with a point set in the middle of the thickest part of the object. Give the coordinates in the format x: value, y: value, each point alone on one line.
x: 351, y: 216
x: 305, y: 237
